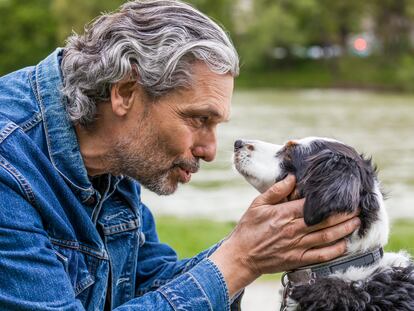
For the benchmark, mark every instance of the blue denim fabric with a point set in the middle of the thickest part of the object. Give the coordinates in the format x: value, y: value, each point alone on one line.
x: 63, y: 243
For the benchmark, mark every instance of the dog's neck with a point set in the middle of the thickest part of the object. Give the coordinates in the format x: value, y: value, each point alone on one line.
x: 309, y: 274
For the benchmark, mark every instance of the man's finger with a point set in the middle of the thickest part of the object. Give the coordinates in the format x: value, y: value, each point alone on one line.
x: 317, y: 255
x: 277, y: 192
x: 331, y: 234
x: 292, y: 209
x: 332, y: 221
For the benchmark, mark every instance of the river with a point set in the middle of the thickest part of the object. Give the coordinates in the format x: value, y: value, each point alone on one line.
x: 378, y: 125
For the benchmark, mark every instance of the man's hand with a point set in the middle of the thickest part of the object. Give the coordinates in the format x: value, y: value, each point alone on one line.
x: 273, y: 237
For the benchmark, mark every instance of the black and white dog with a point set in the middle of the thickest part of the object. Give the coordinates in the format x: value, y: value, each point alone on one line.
x: 334, y: 178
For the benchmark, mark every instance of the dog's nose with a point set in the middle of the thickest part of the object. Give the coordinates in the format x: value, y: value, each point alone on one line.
x: 238, y: 144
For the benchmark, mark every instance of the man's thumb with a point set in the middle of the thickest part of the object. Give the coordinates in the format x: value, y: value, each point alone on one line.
x: 277, y: 192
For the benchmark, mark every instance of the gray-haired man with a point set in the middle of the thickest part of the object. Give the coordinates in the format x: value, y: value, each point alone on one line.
x: 134, y: 101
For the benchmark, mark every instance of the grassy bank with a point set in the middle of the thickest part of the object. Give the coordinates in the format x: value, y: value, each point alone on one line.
x: 190, y: 236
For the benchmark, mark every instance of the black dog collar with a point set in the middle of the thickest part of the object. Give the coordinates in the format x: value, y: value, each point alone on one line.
x: 307, y: 275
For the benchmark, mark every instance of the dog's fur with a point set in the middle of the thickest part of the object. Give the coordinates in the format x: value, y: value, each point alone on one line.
x: 333, y: 178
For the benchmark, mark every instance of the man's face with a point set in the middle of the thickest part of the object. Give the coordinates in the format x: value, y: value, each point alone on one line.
x: 164, y: 140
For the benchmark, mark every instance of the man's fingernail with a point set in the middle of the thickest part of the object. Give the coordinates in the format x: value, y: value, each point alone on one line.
x: 356, y: 221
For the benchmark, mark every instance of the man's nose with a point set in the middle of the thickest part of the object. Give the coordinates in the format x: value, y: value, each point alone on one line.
x: 207, y: 149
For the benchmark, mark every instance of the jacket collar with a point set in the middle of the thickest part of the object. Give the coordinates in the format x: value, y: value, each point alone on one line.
x: 61, y: 138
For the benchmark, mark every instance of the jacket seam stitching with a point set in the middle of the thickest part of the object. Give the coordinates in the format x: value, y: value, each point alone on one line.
x: 29, y: 124
x: 201, y: 289
x: 32, y: 82
x: 42, y: 105
x: 20, y: 179
x: 78, y: 247
x: 168, y: 299
x: 7, y: 130
x: 85, y: 283
x: 222, y: 281
x: 123, y: 227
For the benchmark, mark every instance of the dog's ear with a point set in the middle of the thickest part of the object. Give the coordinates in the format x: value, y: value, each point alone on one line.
x: 370, y: 196
x: 331, y: 184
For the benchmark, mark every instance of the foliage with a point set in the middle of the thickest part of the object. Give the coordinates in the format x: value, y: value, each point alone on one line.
x: 73, y: 15
x: 273, y: 28
x: 27, y: 33
x: 221, y: 11
x: 405, y: 72
x: 32, y: 29
x: 393, y: 25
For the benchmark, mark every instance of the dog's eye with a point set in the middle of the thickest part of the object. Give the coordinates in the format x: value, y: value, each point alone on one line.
x: 279, y: 153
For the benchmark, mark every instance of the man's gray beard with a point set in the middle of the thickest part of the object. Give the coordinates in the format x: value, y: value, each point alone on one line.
x: 149, y: 165
x: 138, y: 166
x: 159, y: 184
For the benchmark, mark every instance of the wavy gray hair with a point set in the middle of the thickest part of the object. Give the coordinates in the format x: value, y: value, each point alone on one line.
x: 157, y: 39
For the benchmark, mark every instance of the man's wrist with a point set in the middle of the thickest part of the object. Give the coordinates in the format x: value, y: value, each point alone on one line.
x: 236, y: 274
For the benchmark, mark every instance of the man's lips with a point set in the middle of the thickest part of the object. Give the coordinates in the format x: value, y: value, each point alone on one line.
x: 185, y: 175
x: 185, y: 170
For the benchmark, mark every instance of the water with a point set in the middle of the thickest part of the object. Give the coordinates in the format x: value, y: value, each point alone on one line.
x: 378, y: 125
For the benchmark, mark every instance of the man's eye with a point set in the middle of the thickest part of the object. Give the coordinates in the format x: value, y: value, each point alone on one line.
x: 201, y: 120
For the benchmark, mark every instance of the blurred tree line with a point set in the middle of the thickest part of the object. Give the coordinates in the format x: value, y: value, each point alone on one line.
x: 275, y: 38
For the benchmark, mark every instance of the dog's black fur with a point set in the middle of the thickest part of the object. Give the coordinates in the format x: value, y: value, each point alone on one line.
x: 334, y: 178
x: 392, y: 289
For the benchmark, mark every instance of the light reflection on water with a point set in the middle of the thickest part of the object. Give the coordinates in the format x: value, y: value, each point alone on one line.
x: 379, y: 125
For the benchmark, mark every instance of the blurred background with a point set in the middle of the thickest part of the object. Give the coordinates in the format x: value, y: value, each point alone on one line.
x: 342, y: 69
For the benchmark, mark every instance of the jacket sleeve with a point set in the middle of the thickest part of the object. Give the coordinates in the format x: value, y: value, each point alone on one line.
x: 31, y: 278
x: 193, y: 284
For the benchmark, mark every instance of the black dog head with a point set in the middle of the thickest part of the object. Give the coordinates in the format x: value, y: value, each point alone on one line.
x: 333, y: 178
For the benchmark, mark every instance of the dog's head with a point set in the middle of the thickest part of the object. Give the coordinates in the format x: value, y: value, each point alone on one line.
x: 331, y: 176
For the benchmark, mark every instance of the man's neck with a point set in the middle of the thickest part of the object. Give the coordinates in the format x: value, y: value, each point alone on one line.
x: 92, y: 148
x: 95, y: 142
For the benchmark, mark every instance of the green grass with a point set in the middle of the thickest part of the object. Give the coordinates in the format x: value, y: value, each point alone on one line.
x: 402, y: 236
x: 191, y: 236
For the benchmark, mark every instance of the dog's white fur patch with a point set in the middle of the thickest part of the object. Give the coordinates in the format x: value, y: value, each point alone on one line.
x: 400, y: 259
x: 259, y: 166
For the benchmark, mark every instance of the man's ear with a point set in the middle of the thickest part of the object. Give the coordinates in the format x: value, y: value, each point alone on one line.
x: 331, y: 185
x: 122, y: 96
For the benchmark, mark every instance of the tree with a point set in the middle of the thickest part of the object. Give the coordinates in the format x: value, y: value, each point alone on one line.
x: 73, y: 15
x: 394, y: 25
x: 27, y: 33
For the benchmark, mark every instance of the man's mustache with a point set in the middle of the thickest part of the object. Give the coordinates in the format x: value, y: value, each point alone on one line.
x: 188, y: 165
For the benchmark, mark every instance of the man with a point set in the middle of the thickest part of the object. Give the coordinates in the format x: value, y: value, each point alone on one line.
x: 134, y: 101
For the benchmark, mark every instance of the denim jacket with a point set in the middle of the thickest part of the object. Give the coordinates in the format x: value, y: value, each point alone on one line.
x: 66, y: 245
